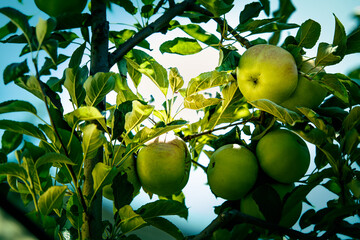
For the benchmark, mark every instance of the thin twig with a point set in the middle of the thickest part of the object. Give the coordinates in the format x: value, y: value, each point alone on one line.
x: 154, y: 27
x: 243, y: 41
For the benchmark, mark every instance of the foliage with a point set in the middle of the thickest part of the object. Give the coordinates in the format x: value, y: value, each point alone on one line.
x: 49, y: 170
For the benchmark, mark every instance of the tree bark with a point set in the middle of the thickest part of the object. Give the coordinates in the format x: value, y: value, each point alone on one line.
x: 92, y: 226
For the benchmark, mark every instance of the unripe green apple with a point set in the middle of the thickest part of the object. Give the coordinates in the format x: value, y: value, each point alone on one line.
x: 288, y: 218
x: 128, y: 167
x: 163, y: 165
x: 267, y: 72
x: 283, y: 155
x: 232, y: 171
x: 307, y: 93
x: 55, y: 8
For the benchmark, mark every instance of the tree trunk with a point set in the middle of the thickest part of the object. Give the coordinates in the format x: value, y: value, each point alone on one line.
x: 92, y: 226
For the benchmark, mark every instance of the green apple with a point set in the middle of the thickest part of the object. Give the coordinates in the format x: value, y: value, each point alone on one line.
x: 283, y: 155
x: 288, y: 217
x: 267, y: 72
x: 307, y: 93
x: 128, y: 167
x: 55, y: 8
x: 232, y: 171
x: 163, y: 165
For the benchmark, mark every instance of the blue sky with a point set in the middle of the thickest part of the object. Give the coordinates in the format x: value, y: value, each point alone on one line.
x: 199, y: 198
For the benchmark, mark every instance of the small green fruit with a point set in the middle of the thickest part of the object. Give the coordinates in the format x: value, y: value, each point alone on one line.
x: 232, y: 171
x: 288, y: 218
x: 283, y: 155
x: 55, y: 8
x: 267, y: 72
x: 163, y: 166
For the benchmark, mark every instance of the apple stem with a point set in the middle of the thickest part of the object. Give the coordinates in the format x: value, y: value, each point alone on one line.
x: 200, y: 165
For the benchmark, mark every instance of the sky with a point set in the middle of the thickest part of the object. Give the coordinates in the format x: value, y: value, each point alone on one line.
x: 199, y: 198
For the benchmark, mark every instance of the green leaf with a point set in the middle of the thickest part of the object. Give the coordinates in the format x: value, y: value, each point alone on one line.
x: 17, y: 106
x: 146, y: 134
x: 138, y: 114
x: 198, y: 101
x: 333, y: 84
x: 97, y: 87
x: 10, y: 141
x: 266, y: 6
x: 130, y: 220
x: 44, y: 29
x: 181, y: 45
x: 313, y: 117
x: 250, y: 11
x: 74, y: 82
x: 217, y: 7
x: 13, y: 169
x: 19, y: 19
x: 127, y: 5
x: 93, y: 139
x: 22, y: 128
x: 274, y: 27
x: 339, y: 38
x: 53, y: 159
x: 229, y: 60
x: 326, y: 55
x: 30, y: 84
x: 118, y: 119
x: 33, y: 176
x: 353, y: 42
x: 123, y: 190
x: 308, y: 34
x: 15, y: 70
x: 102, y: 175
x: 85, y: 114
x: 352, y: 119
x: 147, y: 65
x: 175, y: 79
x: 283, y: 114
x: 50, y: 46
x: 124, y: 93
x: 163, y: 208
x: 74, y: 211
x: 232, y: 108
x: 251, y: 24
x: 49, y: 64
x: 166, y: 226
x: 120, y: 37
x: 52, y: 199
x: 197, y: 32
x: 7, y: 29
x: 208, y: 80
x: 77, y: 55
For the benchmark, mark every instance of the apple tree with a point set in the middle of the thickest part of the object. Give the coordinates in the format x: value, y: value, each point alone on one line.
x: 62, y: 168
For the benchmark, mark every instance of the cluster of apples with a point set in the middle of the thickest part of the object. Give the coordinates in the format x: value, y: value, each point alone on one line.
x: 234, y: 170
x: 270, y: 72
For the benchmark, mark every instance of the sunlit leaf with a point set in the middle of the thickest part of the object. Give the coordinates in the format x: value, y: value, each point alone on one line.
x: 181, y: 45
x: 85, y: 113
x: 74, y: 83
x: 97, y: 87
x: 53, y: 159
x: 198, y: 101
x: 93, y: 139
x: 281, y: 113
x: 102, y: 175
x: 147, y: 65
x: 208, y: 80
x: 138, y: 114
x: 44, y: 29
x: 175, y: 79
x: 130, y: 220
x: 326, y: 55
x: 52, y: 199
